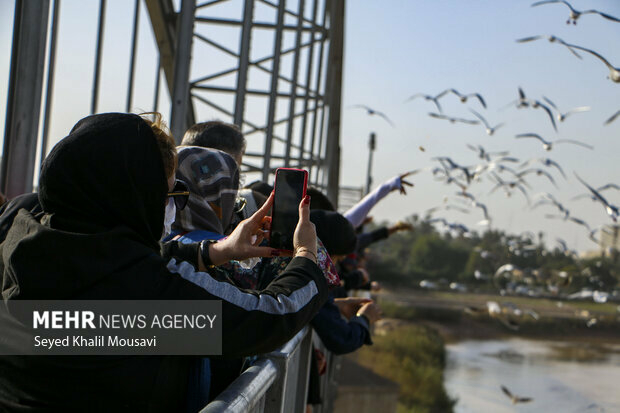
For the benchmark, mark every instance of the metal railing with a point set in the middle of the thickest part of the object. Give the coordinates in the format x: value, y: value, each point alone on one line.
x: 278, y: 381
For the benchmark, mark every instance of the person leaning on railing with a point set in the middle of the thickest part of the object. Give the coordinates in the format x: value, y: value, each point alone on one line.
x: 103, y: 193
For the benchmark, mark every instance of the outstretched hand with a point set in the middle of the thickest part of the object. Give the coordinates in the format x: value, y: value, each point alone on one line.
x: 349, y: 306
x: 403, y: 183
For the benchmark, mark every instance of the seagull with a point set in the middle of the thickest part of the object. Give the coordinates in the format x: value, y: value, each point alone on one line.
x: 514, y: 398
x: 433, y: 99
x: 545, y: 161
x: 562, y: 116
x: 509, y: 185
x: 371, y: 112
x: 538, y: 172
x: 552, y: 39
x: 453, y: 120
x: 521, y: 102
x: 547, y: 198
x: 483, y: 154
x: 614, y: 72
x: 490, y: 130
x: 575, y: 14
x: 613, y: 117
x: 547, y: 145
x: 611, y: 210
x: 463, y: 97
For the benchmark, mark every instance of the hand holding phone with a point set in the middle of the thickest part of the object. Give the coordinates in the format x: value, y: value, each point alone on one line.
x: 290, y: 189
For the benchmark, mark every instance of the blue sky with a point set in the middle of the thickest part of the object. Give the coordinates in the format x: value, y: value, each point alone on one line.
x: 394, y: 49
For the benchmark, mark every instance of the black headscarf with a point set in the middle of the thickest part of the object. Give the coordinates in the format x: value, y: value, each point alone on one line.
x: 335, y: 232
x: 107, y: 172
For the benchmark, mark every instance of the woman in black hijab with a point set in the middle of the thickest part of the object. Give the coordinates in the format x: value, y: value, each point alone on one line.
x: 103, y: 191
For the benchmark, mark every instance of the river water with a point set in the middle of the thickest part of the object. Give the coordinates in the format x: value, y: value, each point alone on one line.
x: 560, y: 377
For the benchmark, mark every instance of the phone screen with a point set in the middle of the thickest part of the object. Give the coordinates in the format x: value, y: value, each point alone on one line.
x: 290, y: 188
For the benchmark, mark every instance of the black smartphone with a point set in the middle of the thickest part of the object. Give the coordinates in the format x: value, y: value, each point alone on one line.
x: 290, y: 189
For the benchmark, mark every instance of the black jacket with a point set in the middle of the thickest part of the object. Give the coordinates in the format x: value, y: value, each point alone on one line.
x: 97, y: 239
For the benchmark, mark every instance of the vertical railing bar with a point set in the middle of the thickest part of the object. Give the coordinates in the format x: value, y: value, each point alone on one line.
x: 157, y: 83
x: 100, y: 32
x: 244, y: 60
x: 274, y: 88
x: 132, y: 62
x: 304, y: 122
x: 293, y: 96
x: 319, y: 73
x: 181, y: 98
x: 50, y: 81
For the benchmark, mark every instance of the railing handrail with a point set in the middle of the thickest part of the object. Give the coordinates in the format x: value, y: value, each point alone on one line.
x: 276, y: 382
x: 246, y: 391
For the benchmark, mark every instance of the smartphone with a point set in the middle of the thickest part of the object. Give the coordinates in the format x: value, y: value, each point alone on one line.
x: 290, y: 189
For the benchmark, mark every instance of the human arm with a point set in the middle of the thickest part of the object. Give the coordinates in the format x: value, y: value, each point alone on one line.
x: 255, y: 322
x: 359, y: 211
x: 339, y: 335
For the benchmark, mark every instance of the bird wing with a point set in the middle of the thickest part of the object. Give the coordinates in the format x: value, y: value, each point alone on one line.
x: 359, y: 106
x: 383, y: 115
x: 538, y: 3
x: 612, y: 118
x: 528, y: 39
x: 479, y: 97
x: 506, y: 391
x: 468, y: 121
x: 592, y: 52
x: 579, y: 109
x: 531, y: 135
x: 416, y: 96
x: 607, y: 16
x: 551, y: 162
x: 546, y: 109
x: 546, y: 99
x: 548, y: 175
x: 585, y: 145
x: 479, y: 116
x: 437, y: 115
x: 524, y: 399
x: 608, y: 186
x: 592, y: 190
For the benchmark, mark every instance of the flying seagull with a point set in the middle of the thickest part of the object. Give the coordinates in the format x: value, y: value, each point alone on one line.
x: 547, y: 145
x: 490, y: 130
x: 562, y: 116
x: 371, y: 112
x: 514, y: 398
x: 538, y: 172
x: 483, y: 154
x: 433, y: 99
x: 612, y: 210
x: 575, y: 14
x: 545, y: 161
x: 552, y: 39
x: 464, y: 97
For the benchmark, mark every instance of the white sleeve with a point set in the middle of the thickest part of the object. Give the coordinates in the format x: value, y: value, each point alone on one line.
x: 357, y: 213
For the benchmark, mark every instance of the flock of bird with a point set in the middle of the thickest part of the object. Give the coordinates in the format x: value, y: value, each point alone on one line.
x: 505, y: 172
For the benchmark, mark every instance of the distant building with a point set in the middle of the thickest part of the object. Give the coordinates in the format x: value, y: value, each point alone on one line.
x: 610, y: 237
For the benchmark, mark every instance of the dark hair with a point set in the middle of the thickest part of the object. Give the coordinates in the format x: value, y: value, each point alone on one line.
x: 318, y: 200
x: 217, y: 135
x: 261, y: 187
x: 335, y: 232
